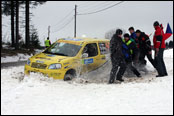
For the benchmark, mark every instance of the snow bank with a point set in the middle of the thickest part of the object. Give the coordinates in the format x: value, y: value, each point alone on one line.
x: 18, y: 57
x: 168, y: 53
x: 36, y: 94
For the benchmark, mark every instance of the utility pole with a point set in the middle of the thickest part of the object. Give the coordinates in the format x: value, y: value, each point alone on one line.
x: 75, y: 21
x: 48, y: 31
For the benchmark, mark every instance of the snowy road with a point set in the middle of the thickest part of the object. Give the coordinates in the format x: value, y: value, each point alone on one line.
x: 40, y: 95
x: 13, y: 64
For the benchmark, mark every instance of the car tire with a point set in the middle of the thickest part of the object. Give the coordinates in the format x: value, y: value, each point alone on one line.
x: 68, y: 77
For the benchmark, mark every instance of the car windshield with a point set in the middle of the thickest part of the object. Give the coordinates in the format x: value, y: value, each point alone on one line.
x: 63, y: 49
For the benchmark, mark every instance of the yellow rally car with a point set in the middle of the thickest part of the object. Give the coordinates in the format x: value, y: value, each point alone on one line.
x: 69, y: 57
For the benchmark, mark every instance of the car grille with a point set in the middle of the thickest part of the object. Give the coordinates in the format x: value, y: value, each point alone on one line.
x: 38, y: 65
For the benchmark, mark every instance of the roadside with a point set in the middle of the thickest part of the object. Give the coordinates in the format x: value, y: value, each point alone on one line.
x: 9, y: 55
x: 12, y: 64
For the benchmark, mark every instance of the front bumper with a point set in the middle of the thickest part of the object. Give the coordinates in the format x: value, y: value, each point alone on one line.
x: 56, y: 74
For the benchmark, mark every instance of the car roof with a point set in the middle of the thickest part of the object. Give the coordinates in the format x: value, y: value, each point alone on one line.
x: 80, y: 39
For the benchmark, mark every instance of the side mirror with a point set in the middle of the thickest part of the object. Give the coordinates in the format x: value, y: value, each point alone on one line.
x: 85, y: 55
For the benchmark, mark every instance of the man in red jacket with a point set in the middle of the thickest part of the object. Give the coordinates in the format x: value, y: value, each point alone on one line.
x: 159, y: 46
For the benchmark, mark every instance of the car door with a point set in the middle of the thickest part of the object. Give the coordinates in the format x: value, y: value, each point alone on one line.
x: 104, y: 52
x: 91, y: 62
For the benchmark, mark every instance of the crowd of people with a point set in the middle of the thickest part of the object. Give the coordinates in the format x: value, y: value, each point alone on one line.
x: 130, y: 50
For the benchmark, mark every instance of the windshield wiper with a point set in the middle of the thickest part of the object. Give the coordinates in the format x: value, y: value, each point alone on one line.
x: 47, y: 52
x: 60, y: 54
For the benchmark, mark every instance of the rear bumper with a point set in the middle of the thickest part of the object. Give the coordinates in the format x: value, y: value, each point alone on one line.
x: 56, y: 74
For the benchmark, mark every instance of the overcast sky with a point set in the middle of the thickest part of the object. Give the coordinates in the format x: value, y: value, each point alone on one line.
x: 140, y: 14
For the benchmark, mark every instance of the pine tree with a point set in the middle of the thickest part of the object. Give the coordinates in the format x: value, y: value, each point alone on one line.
x: 34, y: 43
x: 12, y: 8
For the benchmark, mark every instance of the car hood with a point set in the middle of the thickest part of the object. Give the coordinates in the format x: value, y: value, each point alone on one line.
x: 48, y: 58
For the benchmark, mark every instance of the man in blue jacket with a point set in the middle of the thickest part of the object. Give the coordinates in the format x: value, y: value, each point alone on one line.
x: 133, y: 34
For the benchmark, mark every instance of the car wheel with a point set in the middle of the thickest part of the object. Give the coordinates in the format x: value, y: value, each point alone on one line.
x: 68, y: 77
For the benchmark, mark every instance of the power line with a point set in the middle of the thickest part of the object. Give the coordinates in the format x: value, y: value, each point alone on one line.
x: 64, y: 25
x: 101, y: 9
x: 63, y: 19
x: 88, y: 3
x: 100, y: 5
x: 93, y: 5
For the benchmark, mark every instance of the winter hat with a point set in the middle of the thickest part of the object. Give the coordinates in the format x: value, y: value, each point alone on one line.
x: 119, y: 32
x: 156, y: 23
x: 126, y: 35
x: 138, y: 31
x: 131, y: 28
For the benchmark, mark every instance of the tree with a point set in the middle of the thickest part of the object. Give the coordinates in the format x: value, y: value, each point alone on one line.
x: 17, y: 25
x: 12, y: 24
x: 27, y: 24
x: 110, y: 33
x: 35, y: 43
x: 9, y: 8
x: 27, y: 18
x: 1, y: 24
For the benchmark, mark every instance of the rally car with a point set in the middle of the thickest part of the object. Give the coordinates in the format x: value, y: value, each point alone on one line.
x: 69, y: 57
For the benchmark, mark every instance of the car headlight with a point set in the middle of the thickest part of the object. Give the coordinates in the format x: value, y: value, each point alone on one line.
x: 28, y: 62
x: 55, y: 66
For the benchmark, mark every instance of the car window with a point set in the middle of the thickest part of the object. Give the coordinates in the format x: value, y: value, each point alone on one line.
x: 91, y: 50
x: 104, y: 48
x: 64, y: 49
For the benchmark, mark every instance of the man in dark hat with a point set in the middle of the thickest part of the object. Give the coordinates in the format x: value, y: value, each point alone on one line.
x: 159, y: 46
x: 132, y: 32
x: 117, y: 57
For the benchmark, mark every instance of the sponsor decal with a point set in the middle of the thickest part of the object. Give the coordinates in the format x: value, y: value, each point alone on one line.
x: 43, y: 58
x: 66, y: 63
x: 38, y: 61
x: 51, y: 55
x: 88, y: 61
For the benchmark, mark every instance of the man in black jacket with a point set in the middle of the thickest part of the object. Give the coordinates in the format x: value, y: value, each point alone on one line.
x: 117, y: 57
x: 144, y: 45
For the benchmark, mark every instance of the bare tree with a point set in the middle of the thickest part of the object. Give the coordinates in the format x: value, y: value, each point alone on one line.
x: 110, y: 33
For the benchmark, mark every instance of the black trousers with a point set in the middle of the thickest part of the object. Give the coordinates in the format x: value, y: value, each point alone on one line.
x: 133, y: 69
x: 142, y: 60
x: 118, y: 70
x: 160, y: 65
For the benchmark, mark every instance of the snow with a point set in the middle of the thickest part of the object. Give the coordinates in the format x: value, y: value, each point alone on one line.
x: 17, y: 58
x: 36, y: 94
